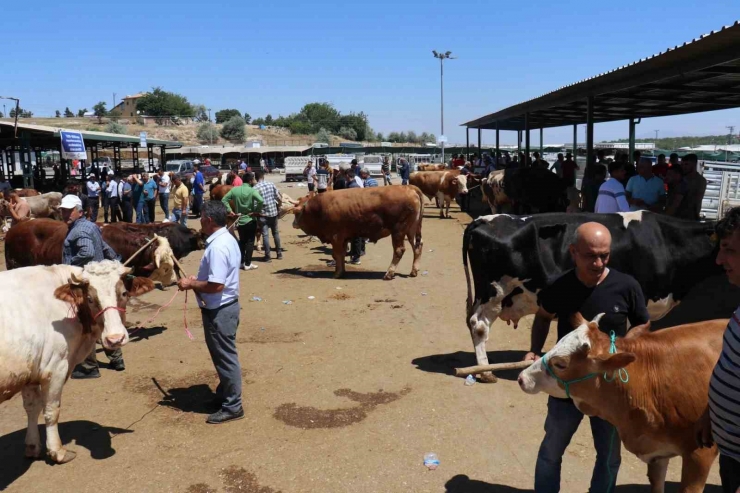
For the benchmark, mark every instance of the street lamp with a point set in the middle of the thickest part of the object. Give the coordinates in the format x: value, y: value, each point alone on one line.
x: 442, y: 57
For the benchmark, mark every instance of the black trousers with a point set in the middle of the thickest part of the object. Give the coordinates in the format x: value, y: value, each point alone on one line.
x: 128, y: 210
x: 115, y: 210
x: 729, y: 473
x: 150, y: 206
x: 357, y: 248
x: 247, y: 233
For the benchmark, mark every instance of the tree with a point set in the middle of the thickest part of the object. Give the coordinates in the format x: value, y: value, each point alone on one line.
x: 299, y: 127
x: 258, y: 121
x: 319, y: 115
x: 268, y: 119
x: 81, y: 113
x: 348, y: 132
x: 223, y: 116
x: 100, y: 111
x: 68, y: 113
x: 207, y: 133
x: 379, y: 137
x: 201, y: 113
x: 411, y: 135
x: 114, y: 114
x: 402, y: 137
x: 58, y: 114
x: 247, y: 118
x: 323, y: 135
x: 234, y: 129
x: 114, y: 127
x: 165, y: 106
x: 1, y: 115
x: 357, y: 121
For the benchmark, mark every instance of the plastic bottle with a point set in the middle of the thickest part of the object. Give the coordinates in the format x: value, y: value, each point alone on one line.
x: 470, y: 380
x: 431, y: 461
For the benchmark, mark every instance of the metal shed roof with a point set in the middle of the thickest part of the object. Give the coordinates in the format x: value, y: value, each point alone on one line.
x: 221, y: 150
x: 48, y: 137
x: 700, y: 75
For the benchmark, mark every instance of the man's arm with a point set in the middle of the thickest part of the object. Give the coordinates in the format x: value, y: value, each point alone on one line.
x: 257, y: 202
x: 185, y: 199
x: 622, y: 203
x: 638, y: 313
x: 205, y: 287
x: 540, y: 330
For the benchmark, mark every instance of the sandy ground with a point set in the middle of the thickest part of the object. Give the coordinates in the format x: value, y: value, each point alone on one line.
x: 342, y: 393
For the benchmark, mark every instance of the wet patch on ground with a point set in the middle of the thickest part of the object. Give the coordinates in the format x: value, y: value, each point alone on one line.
x: 237, y: 479
x: 269, y: 336
x: 340, y: 296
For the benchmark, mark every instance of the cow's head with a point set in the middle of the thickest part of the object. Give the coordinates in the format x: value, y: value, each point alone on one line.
x: 580, y: 356
x: 99, y: 295
x: 461, y: 181
x: 299, y: 208
x: 197, y: 239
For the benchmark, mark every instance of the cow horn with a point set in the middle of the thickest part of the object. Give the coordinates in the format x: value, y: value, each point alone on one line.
x: 76, y: 281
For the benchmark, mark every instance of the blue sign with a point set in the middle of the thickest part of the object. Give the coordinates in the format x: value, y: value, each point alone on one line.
x: 73, y: 146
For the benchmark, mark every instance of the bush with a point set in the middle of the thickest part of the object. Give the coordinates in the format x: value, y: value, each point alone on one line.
x: 115, y: 128
x: 140, y: 120
x: 224, y: 116
x: 234, y: 129
x: 348, y: 133
x: 323, y: 135
x: 299, y: 127
x: 207, y: 133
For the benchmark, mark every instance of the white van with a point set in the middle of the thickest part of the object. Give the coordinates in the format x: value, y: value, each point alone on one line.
x: 295, y: 165
x: 373, y: 164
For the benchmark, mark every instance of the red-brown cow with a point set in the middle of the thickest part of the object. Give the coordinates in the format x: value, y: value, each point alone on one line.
x: 338, y: 216
x: 444, y: 185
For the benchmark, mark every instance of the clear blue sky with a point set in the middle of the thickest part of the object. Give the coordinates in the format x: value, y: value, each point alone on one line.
x: 374, y: 57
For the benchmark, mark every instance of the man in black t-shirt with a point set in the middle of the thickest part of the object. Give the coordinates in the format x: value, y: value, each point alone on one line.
x: 591, y: 288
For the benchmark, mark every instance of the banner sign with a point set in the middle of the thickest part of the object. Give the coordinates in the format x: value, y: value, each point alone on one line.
x: 142, y: 139
x: 73, y: 147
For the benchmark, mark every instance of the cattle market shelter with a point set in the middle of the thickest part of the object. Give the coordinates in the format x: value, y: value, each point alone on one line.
x: 21, y: 148
x: 700, y: 75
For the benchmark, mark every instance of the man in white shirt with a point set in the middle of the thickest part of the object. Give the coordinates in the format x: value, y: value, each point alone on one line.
x: 217, y: 291
x: 557, y: 166
x: 164, y: 192
x: 93, y: 197
x: 612, y: 196
x: 114, y: 197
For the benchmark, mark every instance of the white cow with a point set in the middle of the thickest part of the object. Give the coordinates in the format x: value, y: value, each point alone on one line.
x: 50, y: 319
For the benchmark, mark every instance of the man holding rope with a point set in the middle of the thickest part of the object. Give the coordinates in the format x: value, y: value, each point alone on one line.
x: 217, y: 290
x: 85, y: 244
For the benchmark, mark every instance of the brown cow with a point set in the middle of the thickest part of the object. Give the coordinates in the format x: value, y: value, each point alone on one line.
x: 653, y: 388
x: 431, y: 167
x: 338, y: 216
x: 444, y: 185
x: 27, y: 192
x: 219, y: 191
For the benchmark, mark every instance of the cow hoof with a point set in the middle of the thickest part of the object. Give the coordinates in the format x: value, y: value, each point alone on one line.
x: 33, y: 451
x: 414, y: 273
x: 62, y: 456
x: 388, y: 277
x: 487, y: 377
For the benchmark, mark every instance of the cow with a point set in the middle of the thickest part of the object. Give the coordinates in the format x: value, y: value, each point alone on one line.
x: 46, y: 205
x: 218, y: 192
x: 431, y: 167
x: 444, y: 185
x: 182, y: 240
x: 49, y: 326
x: 652, y: 386
x: 513, y: 257
x: 27, y: 192
x: 525, y: 191
x: 374, y: 213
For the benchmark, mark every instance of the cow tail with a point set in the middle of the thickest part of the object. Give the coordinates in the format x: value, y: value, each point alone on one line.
x: 466, y: 245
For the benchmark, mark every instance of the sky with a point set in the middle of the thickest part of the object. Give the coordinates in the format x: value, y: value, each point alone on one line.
x: 376, y: 57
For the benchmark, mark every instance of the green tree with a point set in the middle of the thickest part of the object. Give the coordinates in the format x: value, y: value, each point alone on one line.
x: 402, y: 137
x: 357, y: 121
x: 379, y: 137
x: 258, y: 121
x: 165, y: 106
x: 323, y: 135
x: 320, y: 115
x: 234, y: 130
x: 58, y: 114
x: 207, y: 133
x: 200, y: 112
x: 348, y: 132
x: 223, y: 116
x: 100, y: 111
x: 299, y: 127
x: 68, y: 113
x: 1, y: 115
x: 81, y: 113
x: 114, y: 127
x: 411, y: 135
x: 268, y: 119
x: 247, y: 118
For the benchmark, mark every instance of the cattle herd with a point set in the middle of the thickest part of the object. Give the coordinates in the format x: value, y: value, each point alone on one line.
x: 507, y: 259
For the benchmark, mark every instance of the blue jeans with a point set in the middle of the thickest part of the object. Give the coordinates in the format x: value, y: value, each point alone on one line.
x: 164, y: 202
x: 180, y: 216
x: 563, y: 419
x: 142, y: 212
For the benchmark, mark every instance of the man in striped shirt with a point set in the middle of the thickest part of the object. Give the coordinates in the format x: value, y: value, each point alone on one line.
x: 367, y: 180
x: 612, y: 196
x: 269, y: 217
x: 723, y: 413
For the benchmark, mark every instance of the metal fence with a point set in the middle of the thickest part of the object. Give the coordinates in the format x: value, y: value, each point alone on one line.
x: 723, y: 188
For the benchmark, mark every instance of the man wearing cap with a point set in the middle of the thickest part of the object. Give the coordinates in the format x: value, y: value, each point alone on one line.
x: 84, y: 244
x: 93, y: 197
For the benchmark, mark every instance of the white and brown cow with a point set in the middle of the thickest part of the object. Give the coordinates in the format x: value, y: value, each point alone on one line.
x: 444, y: 185
x: 512, y: 258
x: 656, y: 405
x: 51, y: 325
x: 493, y: 192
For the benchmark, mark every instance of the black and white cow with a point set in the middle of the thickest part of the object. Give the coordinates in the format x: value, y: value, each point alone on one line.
x: 513, y: 257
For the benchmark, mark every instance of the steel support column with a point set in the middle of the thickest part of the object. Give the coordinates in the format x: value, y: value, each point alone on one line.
x: 590, y: 131
x: 163, y: 157
x: 150, y: 157
x: 526, y: 139
x: 135, y: 156
x: 117, y: 159
x: 497, y: 143
x: 11, y: 163
x: 26, y: 163
x: 467, y: 144
x: 575, y: 143
x: 94, y: 158
x: 632, y: 140
x: 63, y: 167
x: 541, y: 145
x: 3, y: 159
x: 480, y: 146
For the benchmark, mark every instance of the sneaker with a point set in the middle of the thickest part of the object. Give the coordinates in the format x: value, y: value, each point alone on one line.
x: 242, y: 267
x: 280, y: 256
x: 117, y: 365
x: 355, y: 261
x: 251, y: 267
x: 82, y: 374
x: 331, y: 263
x: 224, y: 416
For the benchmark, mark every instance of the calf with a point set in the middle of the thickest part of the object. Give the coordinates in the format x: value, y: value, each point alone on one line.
x: 444, y: 185
x: 512, y: 258
x: 338, y: 216
x: 51, y: 318
x: 45, y: 205
x: 653, y: 387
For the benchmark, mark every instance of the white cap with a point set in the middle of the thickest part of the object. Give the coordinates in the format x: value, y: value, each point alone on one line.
x: 70, y: 202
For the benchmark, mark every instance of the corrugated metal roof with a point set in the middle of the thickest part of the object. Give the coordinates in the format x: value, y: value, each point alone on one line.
x: 91, y: 135
x: 221, y: 150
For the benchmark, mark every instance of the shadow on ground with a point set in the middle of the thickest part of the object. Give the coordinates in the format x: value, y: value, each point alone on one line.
x: 321, y: 272
x: 193, y: 399
x: 86, y: 434
x: 463, y: 484
x: 446, y: 363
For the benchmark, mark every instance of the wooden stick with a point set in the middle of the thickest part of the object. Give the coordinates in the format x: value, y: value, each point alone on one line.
x: 139, y: 251
x: 474, y: 370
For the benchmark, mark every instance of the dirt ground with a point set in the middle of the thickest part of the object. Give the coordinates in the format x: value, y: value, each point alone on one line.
x: 342, y: 393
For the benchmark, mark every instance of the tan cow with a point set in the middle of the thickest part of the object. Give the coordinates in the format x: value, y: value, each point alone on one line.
x: 444, y: 185
x: 431, y: 167
x: 653, y: 387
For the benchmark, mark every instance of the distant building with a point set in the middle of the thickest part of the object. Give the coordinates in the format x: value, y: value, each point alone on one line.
x: 127, y: 106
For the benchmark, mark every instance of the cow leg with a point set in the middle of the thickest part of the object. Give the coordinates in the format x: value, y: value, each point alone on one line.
x: 480, y: 322
x: 32, y: 403
x: 417, y: 247
x: 51, y: 391
x: 695, y: 469
x: 398, y: 251
x: 656, y: 474
x: 338, y: 249
x: 441, y: 202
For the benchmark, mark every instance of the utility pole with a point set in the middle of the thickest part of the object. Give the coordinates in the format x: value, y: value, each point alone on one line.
x: 210, y: 134
x: 442, y: 57
x: 656, y: 141
x: 731, y: 128
x: 114, y: 100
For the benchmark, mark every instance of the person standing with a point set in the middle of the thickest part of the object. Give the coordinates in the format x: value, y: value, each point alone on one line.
x: 340, y: 183
x: 180, y: 201
x: 114, y: 199
x: 721, y: 421
x: 217, y: 289
x: 367, y: 180
x: 590, y: 288
x: 661, y: 167
x: 139, y: 199
x: 268, y: 220
x: 385, y: 168
x: 569, y: 168
x: 677, y: 190
x: 612, y: 196
x: 404, y: 171
x: 645, y: 190
x: 321, y: 178
x: 93, y: 197
x: 164, y: 193
x: 242, y: 165
x: 19, y: 209
x: 310, y: 173
x: 150, y: 192
x: 85, y: 244
x: 247, y: 202
x: 357, y: 245
x: 125, y: 191
x: 557, y: 166
x: 199, y: 189
x: 697, y: 186
x: 236, y: 180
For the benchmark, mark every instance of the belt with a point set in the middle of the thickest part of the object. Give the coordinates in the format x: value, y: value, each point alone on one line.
x: 235, y: 300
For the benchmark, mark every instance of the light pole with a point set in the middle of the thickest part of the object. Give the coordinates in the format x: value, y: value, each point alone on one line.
x: 656, y: 141
x: 731, y: 128
x: 442, y: 57
x: 210, y: 131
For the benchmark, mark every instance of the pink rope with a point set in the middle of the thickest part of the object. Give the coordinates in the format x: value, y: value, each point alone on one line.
x: 184, y: 315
